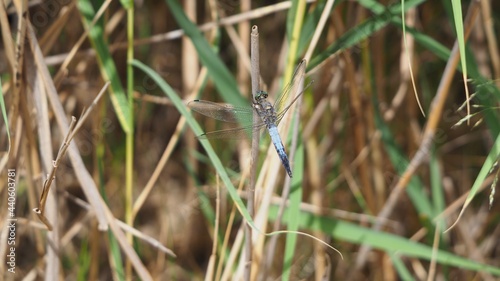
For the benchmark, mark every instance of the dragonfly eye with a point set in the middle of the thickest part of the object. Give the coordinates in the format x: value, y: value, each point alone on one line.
x: 261, y: 95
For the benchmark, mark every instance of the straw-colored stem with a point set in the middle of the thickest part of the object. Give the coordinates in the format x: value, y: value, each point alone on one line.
x: 255, y: 61
x: 129, y: 158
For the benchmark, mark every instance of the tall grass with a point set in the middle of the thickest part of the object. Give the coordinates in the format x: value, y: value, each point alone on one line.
x: 402, y: 192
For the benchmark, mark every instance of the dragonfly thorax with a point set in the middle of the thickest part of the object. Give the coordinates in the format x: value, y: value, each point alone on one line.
x: 266, y: 111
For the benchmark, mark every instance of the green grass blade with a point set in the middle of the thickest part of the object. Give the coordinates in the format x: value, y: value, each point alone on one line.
x: 106, y: 64
x: 491, y: 159
x: 290, y: 19
x: 294, y: 211
x: 114, y: 246
x: 403, y: 272
x: 364, y: 30
x: 390, y: 243
x: 127, y: 4
x: 459, y: 28
x: 4, y: 114
x: 395, y: 9
x: 83, y: 261
x: 309, y: 26
x: 438, y: 199
x: 222, y: 78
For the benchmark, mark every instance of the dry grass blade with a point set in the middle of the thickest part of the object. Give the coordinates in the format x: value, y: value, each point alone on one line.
x: 492, y: 38
x: 87, y: 183
x: 73, y: 129
x: 40, y: 211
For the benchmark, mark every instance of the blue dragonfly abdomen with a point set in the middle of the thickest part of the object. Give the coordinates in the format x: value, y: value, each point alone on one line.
x: 280, y: 148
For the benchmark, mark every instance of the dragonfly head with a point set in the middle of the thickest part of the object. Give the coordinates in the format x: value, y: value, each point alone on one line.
x: 260, y: 95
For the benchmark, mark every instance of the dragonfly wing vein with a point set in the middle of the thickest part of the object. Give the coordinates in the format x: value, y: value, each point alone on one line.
x: 291, y: 87
x: 280, y: 115
x: 222, y: 112
x: 235, y: 133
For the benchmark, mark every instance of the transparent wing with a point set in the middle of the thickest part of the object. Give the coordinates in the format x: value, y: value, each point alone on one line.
x: 237, y: 133
x: 291, y: 88
x: 280, y: 115
x: 223, y: 112
x: 227, y: 113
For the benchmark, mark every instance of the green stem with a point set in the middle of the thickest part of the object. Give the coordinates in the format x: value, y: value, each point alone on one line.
x: 130, y: 135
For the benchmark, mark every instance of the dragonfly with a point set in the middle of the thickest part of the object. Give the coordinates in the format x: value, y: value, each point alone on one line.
x: 270, y: 115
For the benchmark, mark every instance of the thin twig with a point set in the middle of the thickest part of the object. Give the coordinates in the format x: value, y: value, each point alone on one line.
x: 73, y: 129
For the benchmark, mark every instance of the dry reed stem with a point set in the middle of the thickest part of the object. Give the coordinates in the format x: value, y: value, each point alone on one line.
x: 71, y: 55
x: 190, y: 71
x: 74, y: 127
x: 35, y: 80
x: 17, y: 72
x: 249, y: 262
x: 7, y: 39
x: 211, y: 263
x: 50, y: 36
x: 244, y: 48
x: 492, y: 40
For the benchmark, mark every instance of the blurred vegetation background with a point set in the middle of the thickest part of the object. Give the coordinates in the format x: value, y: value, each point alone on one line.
x: 389, y: 152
